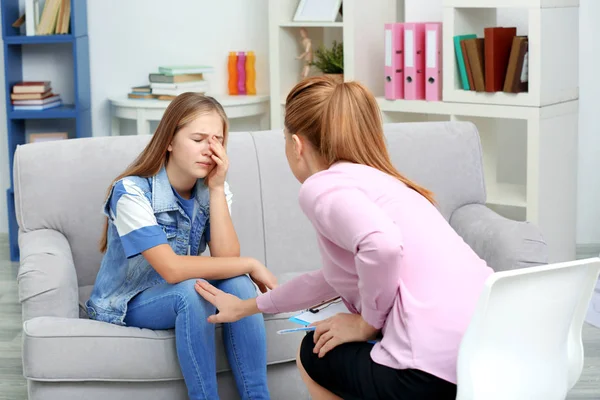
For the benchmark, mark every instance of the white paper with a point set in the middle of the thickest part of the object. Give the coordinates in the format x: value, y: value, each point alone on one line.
x: 431, y: 47
x: 324, y: 313
x: 388, y: 47
x: 409, y: 49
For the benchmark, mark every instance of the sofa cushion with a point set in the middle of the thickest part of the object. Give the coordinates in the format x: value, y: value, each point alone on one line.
x: 58, y: 349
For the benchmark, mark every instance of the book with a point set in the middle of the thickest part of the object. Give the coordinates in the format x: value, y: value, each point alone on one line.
x: 185, y: 69
x: 475, y: 52
x: 46, y: 100
x: 141, y: 89
x: 177, y: 92
x: 497, y: 46
x: 30, y: 96
x: 31, y: 87
x: 188, y: 86
x: 141, y: 96
x: 516, y: 80
x: 37, y: 107
x: 162, y: 78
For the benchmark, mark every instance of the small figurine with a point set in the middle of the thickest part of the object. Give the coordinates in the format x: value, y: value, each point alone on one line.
x: 307, y: 55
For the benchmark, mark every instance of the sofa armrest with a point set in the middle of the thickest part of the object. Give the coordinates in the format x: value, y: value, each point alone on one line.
x: 503, y: 243
x: 47, y: 278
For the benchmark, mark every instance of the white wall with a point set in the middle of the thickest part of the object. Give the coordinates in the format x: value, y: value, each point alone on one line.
x: 129, y: 39
x: 147, y: 33
x: 588, y: 204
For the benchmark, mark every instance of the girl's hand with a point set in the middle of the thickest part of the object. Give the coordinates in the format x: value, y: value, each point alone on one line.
x: 341, y: 328
x: 216, y: 177
x: 263, y: 278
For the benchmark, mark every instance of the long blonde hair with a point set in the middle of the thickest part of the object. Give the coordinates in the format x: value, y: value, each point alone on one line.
x: 182, y: 110
x: 343, y: 122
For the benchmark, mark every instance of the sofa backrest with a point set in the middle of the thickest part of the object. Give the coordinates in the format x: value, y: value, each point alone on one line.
x: 62, y: 185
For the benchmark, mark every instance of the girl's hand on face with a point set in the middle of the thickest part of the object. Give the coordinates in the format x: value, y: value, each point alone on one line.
x: 216, y: 177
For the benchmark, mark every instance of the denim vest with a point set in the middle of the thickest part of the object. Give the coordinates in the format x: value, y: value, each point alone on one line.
x: 120, y: 278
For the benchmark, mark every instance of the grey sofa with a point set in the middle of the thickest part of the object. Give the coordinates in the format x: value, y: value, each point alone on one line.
x: 59, y: 189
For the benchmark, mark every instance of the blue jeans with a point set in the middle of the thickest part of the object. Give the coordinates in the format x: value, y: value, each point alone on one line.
x: 179, y: 306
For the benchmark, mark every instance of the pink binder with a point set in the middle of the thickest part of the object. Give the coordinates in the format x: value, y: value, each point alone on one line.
x: 414, y: 61
x: 433, y: 61
x: 394, y: 61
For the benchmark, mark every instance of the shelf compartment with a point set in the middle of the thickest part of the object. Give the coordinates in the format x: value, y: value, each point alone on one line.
x: 64, y: 111
x: 556, y: 52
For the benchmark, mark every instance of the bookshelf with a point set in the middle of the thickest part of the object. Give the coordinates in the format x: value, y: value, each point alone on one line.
x: 544, y: 119
x: 360, y: 40
x: 77, y: 114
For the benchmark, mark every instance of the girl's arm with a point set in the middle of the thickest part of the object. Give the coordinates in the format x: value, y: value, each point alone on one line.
x: 139, y: 233
x: 223, y: 239
x: 175, y: 268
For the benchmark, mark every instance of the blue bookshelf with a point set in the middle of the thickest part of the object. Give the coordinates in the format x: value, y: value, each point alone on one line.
x: 79, y: 112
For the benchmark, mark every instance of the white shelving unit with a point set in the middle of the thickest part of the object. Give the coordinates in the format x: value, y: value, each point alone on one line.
x: 547, y: 116
x: 361, y: 33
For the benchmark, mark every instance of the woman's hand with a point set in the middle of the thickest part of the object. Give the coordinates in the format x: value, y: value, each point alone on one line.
x: 341, y: 328
x: 231, y: 308
x: 263, y: 278
x: 216, y: 177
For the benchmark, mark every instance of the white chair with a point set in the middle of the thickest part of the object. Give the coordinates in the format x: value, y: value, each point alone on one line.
x: 524, y: 340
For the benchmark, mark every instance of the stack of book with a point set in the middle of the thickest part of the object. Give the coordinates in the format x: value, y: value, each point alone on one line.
x: 495, y: 63
x: 31, y: 95
x: 170, y: 82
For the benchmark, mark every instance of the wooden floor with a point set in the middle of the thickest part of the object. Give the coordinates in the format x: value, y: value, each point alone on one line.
x: 13, y: 387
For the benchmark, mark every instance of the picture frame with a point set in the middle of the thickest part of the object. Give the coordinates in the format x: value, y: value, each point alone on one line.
x: 46, y: 137
x: 317, y: 10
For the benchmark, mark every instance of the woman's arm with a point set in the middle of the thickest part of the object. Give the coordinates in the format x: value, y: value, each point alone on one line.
x: 347, y: 217
x: 301, y: 292
x: 223, y: 239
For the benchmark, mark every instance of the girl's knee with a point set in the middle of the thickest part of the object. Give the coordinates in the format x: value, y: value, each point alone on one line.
x: 240, y: 286
x: 188, y: 297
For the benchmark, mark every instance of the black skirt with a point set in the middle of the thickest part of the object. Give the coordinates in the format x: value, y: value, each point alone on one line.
x: 349, y: 372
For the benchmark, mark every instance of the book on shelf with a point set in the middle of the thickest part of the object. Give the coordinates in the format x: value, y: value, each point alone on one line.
x: 31, y: 87
x: 38, y: 107
x: 496, y: 62
x: 50, y: 99
x: 192, y: 86
x: 162, y: 78
x: 141, y: 96
x: 34, y: 95
x: 185, y: 69
x: 55, y: 17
